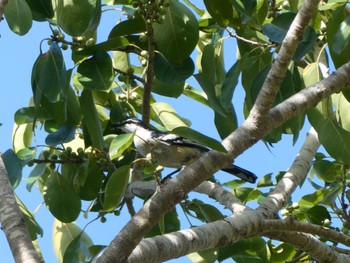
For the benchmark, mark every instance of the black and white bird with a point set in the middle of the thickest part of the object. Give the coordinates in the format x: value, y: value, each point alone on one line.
x: 171, y: 150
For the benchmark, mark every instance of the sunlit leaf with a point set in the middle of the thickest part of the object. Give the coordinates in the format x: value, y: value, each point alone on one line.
x: 74, y: 16
x: 96, y: 73
x: 120, y: 144
x: 18, y: 16
x: 115, y: 188
x: 61, y: 199
x: 169, y: 116
x: 41, y: 9
x: 128, y: 27
x: 91, y: 120
x: 62, y: 236
x: 177, y: 36
x: 14, y: 167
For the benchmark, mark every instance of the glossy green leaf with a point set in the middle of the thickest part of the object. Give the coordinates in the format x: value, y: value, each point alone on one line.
x: 96, y: 73
x: 230, y: 83
x: 169, y: 223
x: 204, y: 212
x: 169, y: 90
x: 74, y: 113
x: 334, y: 138
x: 35, y: 174
x: 169, y: 116
x: 207, y: 79
x: 325, y: 170
x: 265, y: 181
x: 13, y: 166
x: 62, y: 135
x: 226, y: 125
x: 30, y: 114
x: 177, y: 36
x: 41, y: 9
x: 74, y: 16
x: 283, y: 253
x: 317, y: 215
x: 322, y: 196
x: 61, y: 199
x: 253, y: 249
x: 207, y: 256
x: 78, y: 249
x: 220, y: 10
x: 18, y: 16
x: 49, y: 74
x: 246, y: 194
x: 91, y: 120
x: 115, y: 188
x: 63, y: 235
x: 196, y: 95
x: 128, y: 27
x: 338, y: 47
x: 88, y: 180
x: 342, y: 36
x: 22, y: 140
x: 169, y: 73
x: 120, y: 144
x: 34, y: 228
x: 342, y: 108
x: 278, y: 28
x: 202, y: 139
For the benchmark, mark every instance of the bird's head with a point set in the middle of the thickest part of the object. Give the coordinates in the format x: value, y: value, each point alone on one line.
x: 130, y: 125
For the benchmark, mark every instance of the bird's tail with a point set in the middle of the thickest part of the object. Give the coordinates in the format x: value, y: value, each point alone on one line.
x: 244, y: 174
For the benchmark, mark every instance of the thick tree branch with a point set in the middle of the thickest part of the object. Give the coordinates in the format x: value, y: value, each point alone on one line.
x: 290, y: 225
x: 279, y: 68
x: 294, y: 177
x: 224, y: 197
x: 13, y: 224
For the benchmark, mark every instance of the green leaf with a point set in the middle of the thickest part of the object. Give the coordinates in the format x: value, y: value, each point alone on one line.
x: 49, y: 74
x: 88, y: 180
x: 220, y: 10
x: 207, y: 256
x: 33, y: 226
x: 61, y: 199
x: 196, y: 95
x: 169, y: 73
x: 120, y: 144
x: 339, y: 45
x: 226, y: 125
x: 265, y: 181
x: 322, y: 196
x: 35, y: 174
x: 342, y: 107
x: 169, y: 223
x: 13, y: 166
x: 207, y: 79
x: 115, y: 188
x: 41, y: 9
x: 18, y: 16
x: 78, y: 249
x: 74, y: 113
x: 202, y: 139
x: 283, y: 253
x: 325, y: 170
x: 177, y: 36
x: 30, y: 114
x: 62, y: 135
x: 63, y: 235
x: 169, y: 116
x: 246, y: 194
x: 74, y: 16
x: 96, y: 73
x: 317, y: 215
x: 91, y: 120
x: 230, y: 83
x: 334, y: 138
x: 128, y: 27
x: 169, y: 90
x: 342, y: 36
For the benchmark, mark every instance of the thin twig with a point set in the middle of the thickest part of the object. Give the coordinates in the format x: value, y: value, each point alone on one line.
x: 142, y: 80
x: 255, y: 43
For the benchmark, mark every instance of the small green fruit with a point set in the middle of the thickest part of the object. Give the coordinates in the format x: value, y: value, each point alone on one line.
x: 143, y: 38
x: 60, y: 36
x: 64, y: 46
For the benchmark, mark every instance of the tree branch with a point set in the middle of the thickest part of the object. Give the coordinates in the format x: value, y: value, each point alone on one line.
x: 224, y: 197
x: 294, y: 177
x: 12, y: 222
x: 279, y: 68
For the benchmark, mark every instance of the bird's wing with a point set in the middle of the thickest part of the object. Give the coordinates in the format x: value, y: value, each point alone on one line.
x: 181, y: 141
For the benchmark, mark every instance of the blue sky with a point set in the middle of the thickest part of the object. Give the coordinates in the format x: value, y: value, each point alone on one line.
x: 17, y: 57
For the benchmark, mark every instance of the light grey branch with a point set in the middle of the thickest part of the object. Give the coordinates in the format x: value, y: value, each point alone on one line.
x: 13, y: 224
x: 294, y: 177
